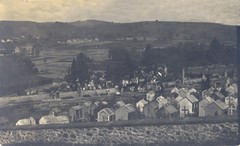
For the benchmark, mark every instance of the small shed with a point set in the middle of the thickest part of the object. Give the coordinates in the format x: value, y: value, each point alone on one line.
x: 106, y: 114
x: 51, y: 119
x: 27, y: 121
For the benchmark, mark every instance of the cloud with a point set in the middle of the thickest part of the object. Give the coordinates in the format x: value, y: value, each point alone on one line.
x: 219, y: 11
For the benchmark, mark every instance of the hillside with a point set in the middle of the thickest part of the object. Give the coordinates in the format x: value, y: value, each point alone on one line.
x: 110, y: 30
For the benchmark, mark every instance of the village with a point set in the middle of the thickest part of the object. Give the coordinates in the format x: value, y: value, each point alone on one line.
x: 126, y: 90
x: 135, y: 99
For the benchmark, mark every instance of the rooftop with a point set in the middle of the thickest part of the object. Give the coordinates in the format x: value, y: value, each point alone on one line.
x: 221, y: 104
x: 192, y: 98
x: 171, y: 109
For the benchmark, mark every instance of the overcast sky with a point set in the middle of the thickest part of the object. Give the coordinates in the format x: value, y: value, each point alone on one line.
x: 219, y: 11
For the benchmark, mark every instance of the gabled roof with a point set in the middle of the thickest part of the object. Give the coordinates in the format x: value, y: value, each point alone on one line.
x: 130, y: 107
x: 108, y: 111
x: 27, y: 121
x: 207, y: 92
x: 178, y: 98
x: 192, y: 90
x: 209, y: 99
x: 51, y: 119
x: 174, y: 90
x: 221, y: 104
x: 192, y: 98
x: 219, y: 94
x: 171, y: 109
x: 183, y: 92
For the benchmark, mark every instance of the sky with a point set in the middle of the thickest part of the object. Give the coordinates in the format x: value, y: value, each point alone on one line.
x: 217, y: 11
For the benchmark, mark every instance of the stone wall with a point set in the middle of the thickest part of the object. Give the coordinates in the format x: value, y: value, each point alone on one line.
x: 218, y: 133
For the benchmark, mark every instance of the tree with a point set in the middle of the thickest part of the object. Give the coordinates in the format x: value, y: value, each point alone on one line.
x: 215, y: 52
x: 147, y: 57
x: 121, y: 64
x: 80, y: 68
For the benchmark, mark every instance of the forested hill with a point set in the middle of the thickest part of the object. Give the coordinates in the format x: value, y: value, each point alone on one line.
x: 111, y: 30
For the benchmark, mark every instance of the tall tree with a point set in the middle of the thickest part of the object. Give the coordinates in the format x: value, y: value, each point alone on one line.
x: 147, y: 57
x: 215, y: 52
x: 80, y: 68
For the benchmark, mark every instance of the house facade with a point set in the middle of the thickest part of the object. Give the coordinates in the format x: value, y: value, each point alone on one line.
x: 216, y: 108
x: 232, y: 104
x: 168, y: 111
x: 84, y: 112
x: 188, y: 105
x: 105, y: 115
x: 150, y: 110
x: 125, y: 112
x: 202, y: 104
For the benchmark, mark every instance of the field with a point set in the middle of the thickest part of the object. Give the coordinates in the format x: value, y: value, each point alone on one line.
x: 59, y: 59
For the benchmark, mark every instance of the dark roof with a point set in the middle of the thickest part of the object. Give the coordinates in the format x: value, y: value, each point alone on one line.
x: 171, y: 109
x: 219, y: 94
x: 130, y: 107
x: 221, y: 104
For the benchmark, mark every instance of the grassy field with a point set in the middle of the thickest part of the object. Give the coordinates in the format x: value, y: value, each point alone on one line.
x: 58, y: 60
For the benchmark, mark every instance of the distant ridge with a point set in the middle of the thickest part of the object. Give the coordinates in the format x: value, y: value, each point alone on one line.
x: 97, y: 28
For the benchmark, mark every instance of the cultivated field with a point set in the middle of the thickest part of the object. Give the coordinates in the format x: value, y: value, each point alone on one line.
x: 59, y: 59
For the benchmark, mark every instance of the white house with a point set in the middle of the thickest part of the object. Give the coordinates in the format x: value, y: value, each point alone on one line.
x: 27, y: 121
x: 51, y: 119
x: 232, y: 104
x: 188, y: 105
x: 106, y: 114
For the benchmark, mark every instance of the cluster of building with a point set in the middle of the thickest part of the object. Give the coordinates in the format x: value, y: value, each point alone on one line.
x: 77, y: 41
x: 144, y: 79
x: 181, y: 103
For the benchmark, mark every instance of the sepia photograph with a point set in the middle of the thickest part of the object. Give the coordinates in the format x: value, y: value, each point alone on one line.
x: 119, y: 72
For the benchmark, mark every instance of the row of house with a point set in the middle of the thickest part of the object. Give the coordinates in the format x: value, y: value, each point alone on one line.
x: 186, y: 103
x: 212, y: 103
x: 47, y: 119
x: 183, y: 103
